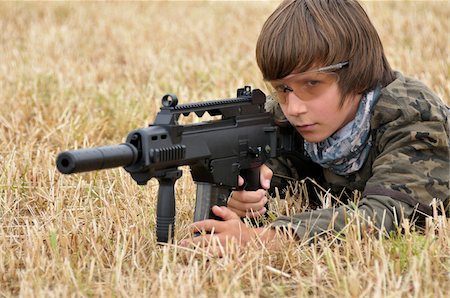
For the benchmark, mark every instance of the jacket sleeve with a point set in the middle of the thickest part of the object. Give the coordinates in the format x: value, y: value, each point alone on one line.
x: 412, y: 143
x: 413, y: 165
x: 382, y: 212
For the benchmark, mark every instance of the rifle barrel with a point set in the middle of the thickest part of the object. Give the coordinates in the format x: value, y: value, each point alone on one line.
x: 91, y: 159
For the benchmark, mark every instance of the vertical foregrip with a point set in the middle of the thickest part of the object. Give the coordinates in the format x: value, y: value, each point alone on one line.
x: 165, y: 210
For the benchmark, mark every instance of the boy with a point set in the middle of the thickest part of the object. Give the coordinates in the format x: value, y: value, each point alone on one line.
x: 369, y: 128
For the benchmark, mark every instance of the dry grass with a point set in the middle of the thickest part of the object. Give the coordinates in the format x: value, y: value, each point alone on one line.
x: 84, y: 74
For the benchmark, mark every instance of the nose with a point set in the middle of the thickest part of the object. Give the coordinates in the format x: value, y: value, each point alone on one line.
x: 294, y: 105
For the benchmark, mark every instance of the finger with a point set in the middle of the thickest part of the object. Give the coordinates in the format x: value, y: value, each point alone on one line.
x: 240, y: 213
x: 208, y: 226
x: 210, y: 244
x: 224, y: 213
x: 240, y: 181
x: 253, y: 214
x: 265, y: 174
x: 205, y: 241
x: 245, y: 196
x: 245, y: 206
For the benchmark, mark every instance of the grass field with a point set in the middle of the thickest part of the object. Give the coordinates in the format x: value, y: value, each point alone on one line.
x: 78, y: 75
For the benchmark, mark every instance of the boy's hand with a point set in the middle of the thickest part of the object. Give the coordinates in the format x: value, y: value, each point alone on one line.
x: 229, y: 231
x: 251, y: 203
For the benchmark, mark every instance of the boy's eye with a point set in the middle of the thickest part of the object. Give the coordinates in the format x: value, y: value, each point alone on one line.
x: 312, y: 83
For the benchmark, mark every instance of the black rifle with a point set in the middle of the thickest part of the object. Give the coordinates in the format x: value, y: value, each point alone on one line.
x: 217, y: 151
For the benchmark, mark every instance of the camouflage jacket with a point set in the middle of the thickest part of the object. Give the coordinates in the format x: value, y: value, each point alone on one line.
x: 407, y: 168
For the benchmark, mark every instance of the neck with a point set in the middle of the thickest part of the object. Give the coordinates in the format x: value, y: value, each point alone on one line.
x: 354, y: 101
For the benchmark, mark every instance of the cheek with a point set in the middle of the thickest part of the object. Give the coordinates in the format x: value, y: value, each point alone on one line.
x: 330, y: 103
x: 333, y: 97
x: 326, y: 106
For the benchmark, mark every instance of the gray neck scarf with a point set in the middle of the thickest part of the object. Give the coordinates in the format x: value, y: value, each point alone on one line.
x: 346, y: 150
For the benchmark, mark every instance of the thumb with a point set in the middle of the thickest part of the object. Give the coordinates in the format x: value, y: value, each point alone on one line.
x: 265, y: 175
x: 241, y: 181
x: 224, y: 213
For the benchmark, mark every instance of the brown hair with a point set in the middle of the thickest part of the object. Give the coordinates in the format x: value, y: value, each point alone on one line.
x: 303, y: 34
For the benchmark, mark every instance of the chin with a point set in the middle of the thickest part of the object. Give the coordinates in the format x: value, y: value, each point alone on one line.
x: 313, y: 139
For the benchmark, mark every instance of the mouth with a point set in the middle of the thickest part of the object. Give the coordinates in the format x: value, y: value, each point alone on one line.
x: 306, y: 127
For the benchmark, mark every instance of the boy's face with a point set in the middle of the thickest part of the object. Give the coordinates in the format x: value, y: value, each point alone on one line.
x: 311, y: 102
